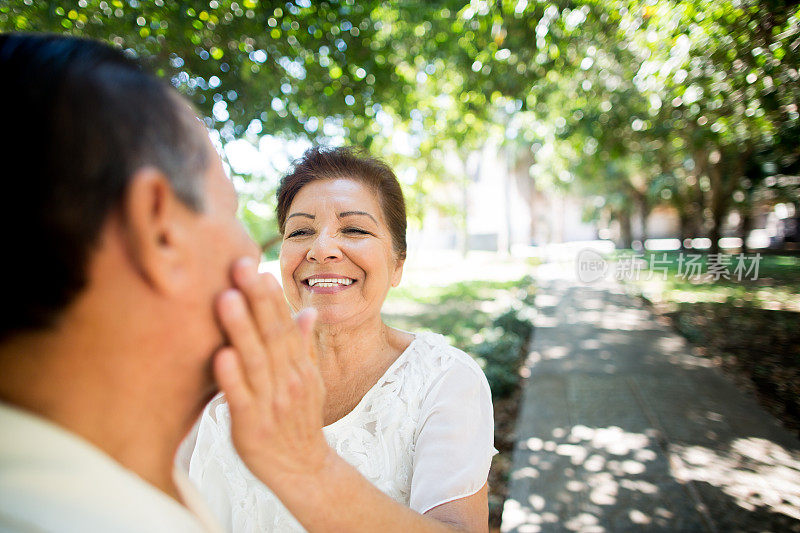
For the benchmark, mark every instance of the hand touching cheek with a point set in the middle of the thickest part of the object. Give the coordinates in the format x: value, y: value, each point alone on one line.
x: 270, y: 378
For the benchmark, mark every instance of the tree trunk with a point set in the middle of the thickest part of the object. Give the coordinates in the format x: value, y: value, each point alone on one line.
x: 524, y: 158
x: 644, y: 214
x: 463, y: 243
x: 719, y: 208
x: 745, y: 227
x: 694, y: 219
x: 504, y: 243
x: 463, y: 234
x: 684, y: 227
x: 625, y: 233
x: 720, y: 201
x: 746, y: 223
x: 698, y: 220
x: 715, y: 233
x: 726, y: 175
x: 533, y: 223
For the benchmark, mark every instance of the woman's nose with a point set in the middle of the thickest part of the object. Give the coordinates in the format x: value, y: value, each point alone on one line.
x: 324, y: 248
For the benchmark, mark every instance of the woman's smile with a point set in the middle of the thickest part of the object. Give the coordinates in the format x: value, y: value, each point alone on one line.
x: 327, y: 283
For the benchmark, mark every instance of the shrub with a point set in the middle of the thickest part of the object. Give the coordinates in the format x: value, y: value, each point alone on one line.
x: 502, y: 353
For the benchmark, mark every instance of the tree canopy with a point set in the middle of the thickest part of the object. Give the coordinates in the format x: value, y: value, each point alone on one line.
x: 635, y: 103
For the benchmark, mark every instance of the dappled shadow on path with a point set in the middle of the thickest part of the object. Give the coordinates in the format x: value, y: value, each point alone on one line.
x: 586, y: 470
x: 759, y: 348
x: 608, y: 479
x: 624, y: 428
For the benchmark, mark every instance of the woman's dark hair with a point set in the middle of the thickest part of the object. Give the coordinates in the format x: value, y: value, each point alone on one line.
x: 80, y: 118
x: 348, y: 163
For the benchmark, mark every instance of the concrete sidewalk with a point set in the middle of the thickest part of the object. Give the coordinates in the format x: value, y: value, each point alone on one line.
x: 623, y: 428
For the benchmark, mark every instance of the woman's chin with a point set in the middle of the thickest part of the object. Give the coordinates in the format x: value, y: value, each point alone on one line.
x: 329, y: 322
x: 342, y: 315
x: 328, y: 316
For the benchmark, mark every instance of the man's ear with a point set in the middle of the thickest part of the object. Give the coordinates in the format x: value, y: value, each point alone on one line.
x: 397, y: 275
x: 155, y: 223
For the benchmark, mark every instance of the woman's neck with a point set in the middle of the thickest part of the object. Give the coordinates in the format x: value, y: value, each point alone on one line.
x: 352, y: 360
x: 342, y: 348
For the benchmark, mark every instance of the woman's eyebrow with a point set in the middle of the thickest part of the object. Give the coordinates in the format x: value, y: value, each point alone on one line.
x: 312, y: 217
x: 352, y: 213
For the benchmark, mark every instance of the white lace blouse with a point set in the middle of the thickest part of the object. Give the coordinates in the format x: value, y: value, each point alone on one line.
x: 423, y: 434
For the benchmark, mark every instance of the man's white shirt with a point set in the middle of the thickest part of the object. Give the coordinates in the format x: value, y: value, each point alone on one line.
x: 53, y: 480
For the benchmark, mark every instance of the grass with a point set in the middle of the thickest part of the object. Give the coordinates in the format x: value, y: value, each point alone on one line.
x: 749, y: 326
x: 776, y: 287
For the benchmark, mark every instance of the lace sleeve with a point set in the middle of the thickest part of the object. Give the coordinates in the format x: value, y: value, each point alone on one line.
x: 455, y: 440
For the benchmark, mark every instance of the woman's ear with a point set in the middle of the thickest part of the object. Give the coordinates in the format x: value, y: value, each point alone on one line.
x: 397, y: 275
x: 154, y: 220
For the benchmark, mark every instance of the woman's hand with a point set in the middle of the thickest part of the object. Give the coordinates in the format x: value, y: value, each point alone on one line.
x: 270, y: 379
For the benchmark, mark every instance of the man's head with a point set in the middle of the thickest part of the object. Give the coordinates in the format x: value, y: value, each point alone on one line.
x: 119, y: 230
x: 80, y: 119
x: 119, y: 222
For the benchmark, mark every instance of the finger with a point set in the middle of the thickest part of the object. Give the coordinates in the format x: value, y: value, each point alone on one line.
x: 230, y: 377
x: 308, y: 369
x: 306, y: 319
x: 273, y: 320
x: 264, y: 295
x: 243, y: 335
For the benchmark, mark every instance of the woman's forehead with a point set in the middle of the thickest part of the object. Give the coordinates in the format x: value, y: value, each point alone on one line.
x: 335, y: 194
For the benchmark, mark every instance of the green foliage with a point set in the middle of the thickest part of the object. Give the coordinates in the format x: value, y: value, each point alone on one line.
x: 488, y: 320
x: 691, y: 103
x: 278, y: 67
x: 501, y: 361
x: 511, y: 324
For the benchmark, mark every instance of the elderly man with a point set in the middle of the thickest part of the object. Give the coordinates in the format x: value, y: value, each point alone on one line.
x: 131, y: 291
x: 118, y: 232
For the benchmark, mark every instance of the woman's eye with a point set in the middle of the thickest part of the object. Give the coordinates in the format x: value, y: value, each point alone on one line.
x: 298, y: 233
x: 356, y: 231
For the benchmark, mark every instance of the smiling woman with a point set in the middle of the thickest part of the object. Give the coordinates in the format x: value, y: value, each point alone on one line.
x: 335, y: 230
x: 412, y: 414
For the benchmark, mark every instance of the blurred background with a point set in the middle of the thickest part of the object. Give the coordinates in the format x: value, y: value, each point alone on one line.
x: 522, y: 132
x: 509, y: 123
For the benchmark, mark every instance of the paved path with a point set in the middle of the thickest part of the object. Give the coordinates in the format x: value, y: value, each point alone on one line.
x: 623, y: 428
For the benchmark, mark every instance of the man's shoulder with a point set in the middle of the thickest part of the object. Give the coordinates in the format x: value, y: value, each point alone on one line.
x: 51, y: 480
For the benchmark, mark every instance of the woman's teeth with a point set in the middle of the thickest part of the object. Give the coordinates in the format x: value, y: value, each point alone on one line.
x: 329, y: 282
